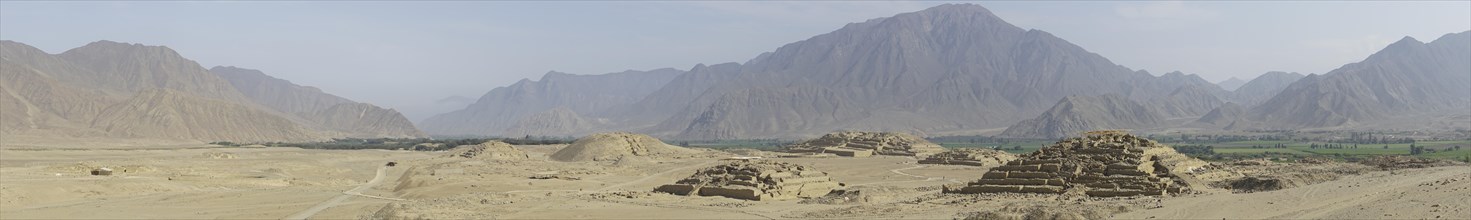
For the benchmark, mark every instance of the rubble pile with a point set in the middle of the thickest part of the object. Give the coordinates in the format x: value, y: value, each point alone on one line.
x: 755, y: 180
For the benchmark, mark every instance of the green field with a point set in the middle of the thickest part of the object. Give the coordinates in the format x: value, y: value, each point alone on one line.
x: 1241, y: 148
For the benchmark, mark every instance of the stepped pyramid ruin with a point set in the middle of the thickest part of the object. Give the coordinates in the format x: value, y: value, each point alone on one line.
x: 970, y: 157
x: 1102, y: 164
x: 755, y: 180
x: 864, y: 144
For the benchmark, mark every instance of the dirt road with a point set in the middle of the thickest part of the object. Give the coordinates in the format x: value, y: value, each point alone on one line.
x: 356, y: 191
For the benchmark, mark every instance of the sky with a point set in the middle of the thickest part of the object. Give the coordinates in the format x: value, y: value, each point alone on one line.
x: 408, y: 55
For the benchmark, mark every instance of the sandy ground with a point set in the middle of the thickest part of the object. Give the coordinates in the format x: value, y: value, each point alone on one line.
x: 197, y: 182
x: 186, y: 182
x: 1431, y: 193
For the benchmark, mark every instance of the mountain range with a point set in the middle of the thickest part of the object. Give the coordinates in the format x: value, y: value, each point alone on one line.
x: 133, y: 91
x: 954, y: 69
x: 950, y: 68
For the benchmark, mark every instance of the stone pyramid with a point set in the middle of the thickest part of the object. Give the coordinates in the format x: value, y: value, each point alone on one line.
x: 755, y: 180
x: 1102, y: 164
x: 970, y: 157
x: 864, y: 144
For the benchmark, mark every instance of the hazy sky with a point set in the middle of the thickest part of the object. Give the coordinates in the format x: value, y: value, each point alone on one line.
x: 406, y: 55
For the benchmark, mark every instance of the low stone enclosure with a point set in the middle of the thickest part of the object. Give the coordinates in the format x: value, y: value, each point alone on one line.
x: 1101, y: 164
x: 970, y: 157
x: 755, y: 180
x: 864, y: 144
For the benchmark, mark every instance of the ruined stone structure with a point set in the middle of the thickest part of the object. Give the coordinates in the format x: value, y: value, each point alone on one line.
x: 970, y: 157
x: 1102, y: 164
x: 864, y: 144
x: 755, y: 180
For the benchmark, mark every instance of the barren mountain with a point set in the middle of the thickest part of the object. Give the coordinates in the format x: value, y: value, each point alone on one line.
x: 558, y: 121
x: 1263, y: 87
x: 1223, y: 116
x: 1405, y: 77
x: 953, y: 68
x: 1188, y: 101
x: 1231, y: 84
x: 1076, y: 114
x: 318, y: 108
x: 936, y: 69
x: 364, y: 120
x: 117, y: 90
x: 588, y: 95
x: 163, y: 113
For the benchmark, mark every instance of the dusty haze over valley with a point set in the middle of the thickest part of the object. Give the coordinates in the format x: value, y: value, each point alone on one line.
x: 743, y: 110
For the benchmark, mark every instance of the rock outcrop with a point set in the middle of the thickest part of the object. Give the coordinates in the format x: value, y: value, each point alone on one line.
x: 614, y: 145
x: 755, y: 180
x: 970, y: 157
x: 490, y: 150
x: 864, y: 144
x: 1102, y: 164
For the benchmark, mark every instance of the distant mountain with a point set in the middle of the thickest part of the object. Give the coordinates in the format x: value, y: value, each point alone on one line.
x: 586, y: 95
x: 1231, y: 84
x: 1404, y: 78
x: 165, y: 113
x: 116, y: 90
x: 558, y: 121
x: 950, y: 68
x: 1076, y: 114
x: 1224, y: 115
x: 1188, y: 101
x: 318, y: 108
x: 1263, y: 87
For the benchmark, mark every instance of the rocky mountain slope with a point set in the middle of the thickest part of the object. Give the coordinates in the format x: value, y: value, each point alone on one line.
x: 1076, y: 114
x: 318, y: 108
x: 116, y: 90
x: 1188, y: 101
x: 1231, y: 84
x: 588, y: 95
x: 1223, y: 116
x: 1263, y: 87
x: 1405, y: 77
x: 954, y: 67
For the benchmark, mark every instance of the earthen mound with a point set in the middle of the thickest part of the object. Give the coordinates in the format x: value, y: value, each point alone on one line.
x: 1102, y: 164
x: 614, y: 145
x: 755, y: 180
x: 863, y: 144
x: 970, y: 156
x: 491, y: 150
